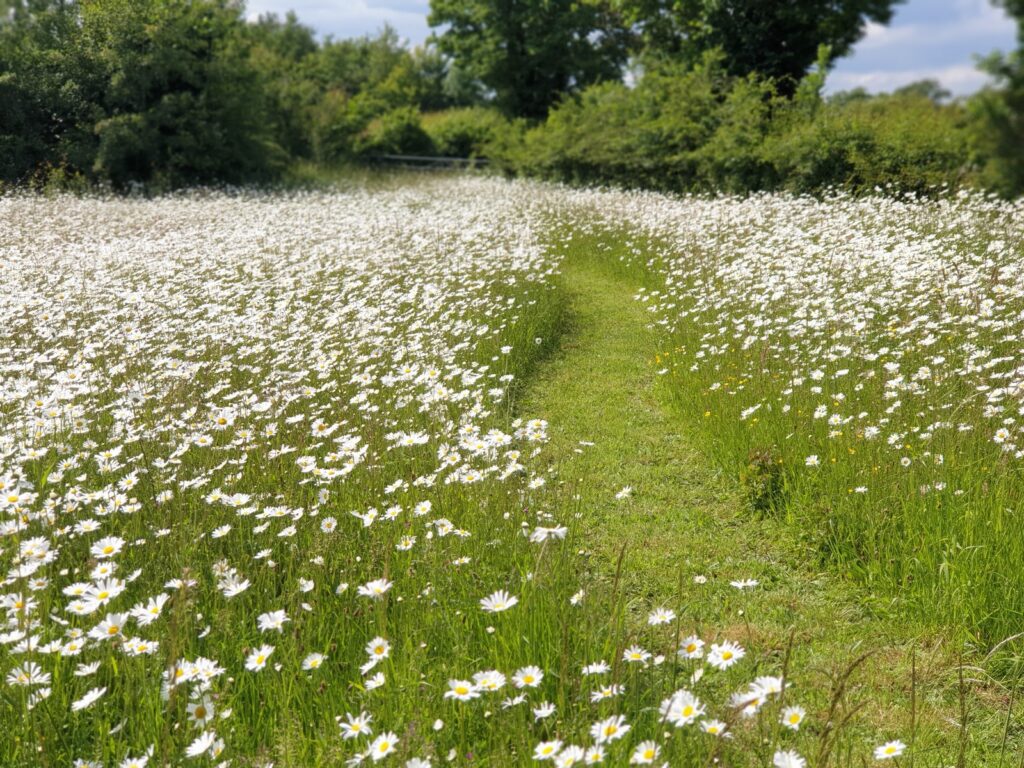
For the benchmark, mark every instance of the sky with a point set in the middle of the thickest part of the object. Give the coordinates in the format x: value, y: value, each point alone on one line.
x: 935, y: 39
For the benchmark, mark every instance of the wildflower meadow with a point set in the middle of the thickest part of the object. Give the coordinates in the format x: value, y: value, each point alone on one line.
x: 282, y: 484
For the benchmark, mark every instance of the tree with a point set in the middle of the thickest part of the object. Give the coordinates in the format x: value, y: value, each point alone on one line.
x: 774, y: 39
x: 998, y: 113
x: 181, y: 103
x: 531, y: 52
x: 283, y: 52
x: 158, y: 91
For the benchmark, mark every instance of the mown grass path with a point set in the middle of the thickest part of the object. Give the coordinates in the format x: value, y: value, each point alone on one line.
x: 686, y: 520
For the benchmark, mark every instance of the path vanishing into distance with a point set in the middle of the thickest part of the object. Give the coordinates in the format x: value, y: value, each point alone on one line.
x: 685, y: 522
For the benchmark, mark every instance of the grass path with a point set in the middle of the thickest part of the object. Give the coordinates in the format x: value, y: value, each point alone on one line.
x: 685, y: 520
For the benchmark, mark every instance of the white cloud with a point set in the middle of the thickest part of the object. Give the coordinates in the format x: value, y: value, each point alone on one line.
x: 982, y: 26
x: 353, y: 18
x: 933, y: 39
x: 959, y: 79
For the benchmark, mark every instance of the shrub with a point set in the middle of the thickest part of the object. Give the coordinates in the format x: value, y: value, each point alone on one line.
x: 699, y: 130
x: 906, y: 142
x: 466, y: 132
x: 398, y: 132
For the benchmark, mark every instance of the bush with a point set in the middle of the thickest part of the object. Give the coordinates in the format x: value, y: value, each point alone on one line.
x: 467, y: 132
x: 908, y: 143
x: 699, y: 130
x: 398, y: 132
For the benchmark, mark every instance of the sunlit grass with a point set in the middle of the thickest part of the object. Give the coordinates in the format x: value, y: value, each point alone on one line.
x: 271, y: 496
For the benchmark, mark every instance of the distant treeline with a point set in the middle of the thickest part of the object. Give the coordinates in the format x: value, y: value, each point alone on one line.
x: 671, y: 94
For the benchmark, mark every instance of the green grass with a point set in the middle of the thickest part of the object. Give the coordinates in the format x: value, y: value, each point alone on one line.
x: 688, y: 518
x: 582, y: 356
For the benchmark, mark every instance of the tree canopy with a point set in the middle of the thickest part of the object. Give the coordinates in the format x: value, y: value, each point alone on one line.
x: 531, y: 52
x: 779, y: 40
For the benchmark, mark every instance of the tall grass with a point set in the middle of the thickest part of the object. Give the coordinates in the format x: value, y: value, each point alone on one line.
x: 245, y: 404
x: 857, y: 363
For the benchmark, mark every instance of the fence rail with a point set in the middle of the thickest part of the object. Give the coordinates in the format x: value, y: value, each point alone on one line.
x: 425, y: 161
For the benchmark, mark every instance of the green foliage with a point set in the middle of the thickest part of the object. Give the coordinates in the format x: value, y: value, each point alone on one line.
x: 186, y: 91
x: 700, y: 129
x: 282, y: 54
x: 467, y: 132
x: 775, y: 40
x: 121, y: 92
x: 181, y: 105
x: 398, y: 132
x: 644, y: 136
x: 764, y: 481
x: 134, y: 90
x: 998, y: 125
x: 532, y: 52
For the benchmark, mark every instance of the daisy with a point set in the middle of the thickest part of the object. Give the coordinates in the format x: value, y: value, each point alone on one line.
x: 609, y: 730
x: 527, y: 677
x: 645, y: 753
x: 661, y: 616
x: 793, y: 716
x: 313, y: 661
x: 201, y: 712
x: 111, y: 627
x: 725, y: 655
x: 107, y: 547
x: 273, y: 620
x: 383, y: 746
x: 714, y: 727
x: 635, y: 654
x: 890, y: 750
x: 201, y: 744
x: 682, y: 708
x: 257, y: 660
x: 745, y: 583
x: 489, y: 681
x: 546, y: 709
x: 547, y: 750
x: 353, y: 727
x: 88, y: 699
x: 378, y: 648
x: 375, y: 589
x: 498, y: 601
x: 461, y: 690
x: 692, y: 648
x: 788, y: 759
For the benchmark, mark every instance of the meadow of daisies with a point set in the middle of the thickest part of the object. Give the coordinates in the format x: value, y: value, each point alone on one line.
x: 267, y: 497
x: 858, y: 363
